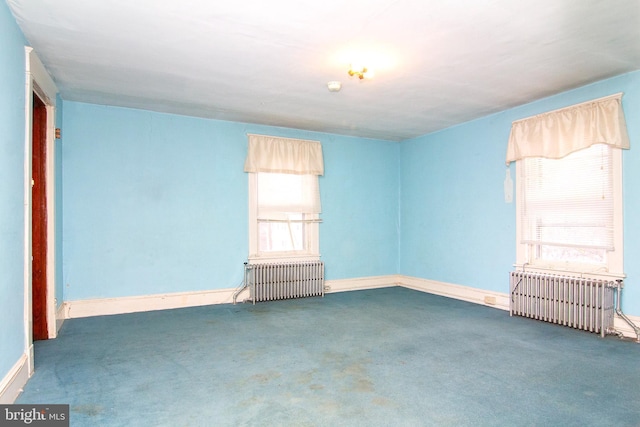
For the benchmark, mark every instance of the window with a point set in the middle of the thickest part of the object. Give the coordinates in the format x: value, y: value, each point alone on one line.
x: 284, y: 198
x: 569, y: 187
x: 284, y: 215
x: 570, y: 211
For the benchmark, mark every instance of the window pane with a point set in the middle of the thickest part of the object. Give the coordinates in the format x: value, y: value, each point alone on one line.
x: 559, y: 254
x: 284, y: 213
x: 281, y: 236
x: 279, y: 192
x: 567, y: 206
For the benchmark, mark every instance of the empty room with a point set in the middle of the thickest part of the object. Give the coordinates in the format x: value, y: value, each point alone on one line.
x: 297, y: 213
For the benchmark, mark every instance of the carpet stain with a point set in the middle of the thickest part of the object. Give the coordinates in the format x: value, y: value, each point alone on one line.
x: 250, y: 401
x: 352, y: 372
x: 249, y: 356
x: 306, y: 377
x: 381, y: 401
x: 316, y: 387
x: 264, y: 378
x: 363, y: 385
x: 89, y: 409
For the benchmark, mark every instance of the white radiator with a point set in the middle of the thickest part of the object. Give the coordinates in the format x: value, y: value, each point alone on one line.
x: 268, y: 282
x: 580, y: 303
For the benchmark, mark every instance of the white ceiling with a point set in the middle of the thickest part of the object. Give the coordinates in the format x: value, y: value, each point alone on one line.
x: 437, y: 63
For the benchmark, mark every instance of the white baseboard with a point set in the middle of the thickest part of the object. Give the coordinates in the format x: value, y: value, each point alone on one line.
x: 60, y: 316
x: 465, y: 293
x: 12, y: 384
x: 621, y: 326
x: 121, y: 305
x: 108, y: 306
x: 360, y: 283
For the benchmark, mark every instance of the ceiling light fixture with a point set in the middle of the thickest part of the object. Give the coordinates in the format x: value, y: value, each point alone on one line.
x: 360, y: 72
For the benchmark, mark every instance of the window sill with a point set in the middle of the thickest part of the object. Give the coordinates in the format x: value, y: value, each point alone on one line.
x: 257, y: 259
x: 569, y: 272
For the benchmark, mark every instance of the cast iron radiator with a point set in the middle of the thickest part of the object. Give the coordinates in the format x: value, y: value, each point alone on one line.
x: 268, y: 282
x: 577, y: 302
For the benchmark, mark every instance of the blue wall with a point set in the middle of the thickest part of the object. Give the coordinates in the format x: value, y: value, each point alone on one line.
x: 12, y: 81
x: 456, y: 227
x: 157, y: 203
x: 359, y: 235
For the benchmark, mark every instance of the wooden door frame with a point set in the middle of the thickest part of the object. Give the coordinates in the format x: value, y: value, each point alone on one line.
x: 38, y: 81
x: 39, y: 220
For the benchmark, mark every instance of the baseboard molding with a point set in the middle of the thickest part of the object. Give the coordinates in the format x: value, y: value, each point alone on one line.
x: 60, y: 316
x: 134, y: 304
x: 121, y: 305
x: 465, y: 293
x: 12, y: 384
x: 621, y: 326
x: 109, y: 306
x: 360, y: 283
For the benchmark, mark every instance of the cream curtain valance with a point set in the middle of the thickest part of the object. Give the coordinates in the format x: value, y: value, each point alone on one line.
x: 284, y: 155
x: 558, y: 133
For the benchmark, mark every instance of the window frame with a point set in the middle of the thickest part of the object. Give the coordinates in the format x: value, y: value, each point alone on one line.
x: 311, y: 234
x: 614, y: 265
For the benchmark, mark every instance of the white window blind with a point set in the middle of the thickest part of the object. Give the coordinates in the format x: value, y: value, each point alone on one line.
x: 280, y: 193
x: 567, y: 205
x: 287, y: 213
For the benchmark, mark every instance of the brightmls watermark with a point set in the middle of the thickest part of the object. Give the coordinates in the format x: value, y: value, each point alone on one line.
x: 34, y: 415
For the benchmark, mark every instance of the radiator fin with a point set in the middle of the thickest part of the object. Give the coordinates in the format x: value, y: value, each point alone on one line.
x: 276, y: 281
x: 576, y: 302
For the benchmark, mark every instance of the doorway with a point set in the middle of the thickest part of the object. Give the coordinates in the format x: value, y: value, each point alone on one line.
x: 39, y: 220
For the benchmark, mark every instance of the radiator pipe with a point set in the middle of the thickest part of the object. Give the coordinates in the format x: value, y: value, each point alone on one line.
x: 243, y: 287
x: 619, y: 312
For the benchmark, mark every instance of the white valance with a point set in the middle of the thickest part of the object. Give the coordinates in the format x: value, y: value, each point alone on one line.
x: 557, y: 133
x: 284, y: 155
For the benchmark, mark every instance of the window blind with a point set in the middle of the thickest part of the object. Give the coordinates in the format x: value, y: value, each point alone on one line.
x: 569, y: 202
x: 279, y: 194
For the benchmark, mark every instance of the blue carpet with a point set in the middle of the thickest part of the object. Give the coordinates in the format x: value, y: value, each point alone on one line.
x: 385, y: 357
